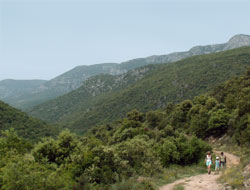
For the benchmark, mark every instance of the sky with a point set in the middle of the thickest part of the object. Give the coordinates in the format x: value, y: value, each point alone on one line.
x: 41, y: 39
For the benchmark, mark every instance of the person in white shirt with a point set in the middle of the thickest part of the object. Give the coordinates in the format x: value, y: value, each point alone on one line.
x: 209, y: 162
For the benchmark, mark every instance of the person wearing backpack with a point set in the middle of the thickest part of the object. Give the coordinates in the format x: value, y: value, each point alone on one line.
x: 223, y: 160
x: 209, y: 162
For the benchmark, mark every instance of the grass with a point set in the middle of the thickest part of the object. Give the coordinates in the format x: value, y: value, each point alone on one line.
x: 133, y: 184
x: 176, y: 172
x: 179, y: 187
x: 169, y: 175
x: 233, y: 176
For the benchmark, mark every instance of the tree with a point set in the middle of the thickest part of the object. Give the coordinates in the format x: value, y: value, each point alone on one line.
x: 154, y: 118
x: 218, y: 122
x: 168, y: 153
x: 199, y: 121
x: 136, y: 116
x: 56, y: 151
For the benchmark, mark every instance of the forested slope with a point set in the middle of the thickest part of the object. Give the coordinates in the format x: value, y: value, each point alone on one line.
x: 84, y: 97
x: 165, y: 83
x: 26, y: 126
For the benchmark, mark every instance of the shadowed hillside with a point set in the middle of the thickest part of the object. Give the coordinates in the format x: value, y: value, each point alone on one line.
x: 25, y: 126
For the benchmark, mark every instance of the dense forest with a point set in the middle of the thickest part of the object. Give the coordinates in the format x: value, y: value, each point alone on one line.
x: 158, y: 86
x: 141, y: 144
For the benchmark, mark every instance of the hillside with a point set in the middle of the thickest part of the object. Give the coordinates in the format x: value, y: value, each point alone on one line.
x: 73, y: 79
x: 84, y: 97
x: 223, y: 111
x: 27, y: 127
x: 153, y: 145
x: 165, y: 83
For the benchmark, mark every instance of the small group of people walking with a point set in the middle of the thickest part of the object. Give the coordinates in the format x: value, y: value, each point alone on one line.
x: 220, y: 162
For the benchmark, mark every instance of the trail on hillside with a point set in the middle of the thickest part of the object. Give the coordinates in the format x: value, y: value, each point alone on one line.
x: 203, y: 181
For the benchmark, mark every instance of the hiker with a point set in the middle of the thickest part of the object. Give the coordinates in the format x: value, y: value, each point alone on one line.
x: 209, y: 162
x: 223, y: 160
x: 217, y: 164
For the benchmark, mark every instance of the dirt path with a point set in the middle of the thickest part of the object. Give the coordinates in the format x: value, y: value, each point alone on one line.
x: 203, y: 181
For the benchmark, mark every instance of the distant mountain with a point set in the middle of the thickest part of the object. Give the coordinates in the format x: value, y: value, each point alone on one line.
x: 16, y: 88
x: 104, y: 98
x: 24, y: 125
x: 73, y: 79
x: 15, y: 91
x: 236, y: 41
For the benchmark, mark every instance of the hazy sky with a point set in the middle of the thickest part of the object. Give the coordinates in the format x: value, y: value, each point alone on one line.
x: 40, y: 39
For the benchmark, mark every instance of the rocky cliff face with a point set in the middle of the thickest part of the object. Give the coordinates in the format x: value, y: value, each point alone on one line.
x: 74, y: 78
x: 235, y: 42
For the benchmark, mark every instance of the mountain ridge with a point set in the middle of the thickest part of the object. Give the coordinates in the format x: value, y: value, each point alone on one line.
x: 73, y: 78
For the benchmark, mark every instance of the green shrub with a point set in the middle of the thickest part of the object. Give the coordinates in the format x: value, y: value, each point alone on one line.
x: 218, y: 122
x: 56, y: 151
x: 139, y: 155
x: 182, y: 150
x: 23, y: 173
x: 233, y: 176
x: 168, y: 153
x: 133, y: 184
x: 154, y: 118
x: 178, y: 187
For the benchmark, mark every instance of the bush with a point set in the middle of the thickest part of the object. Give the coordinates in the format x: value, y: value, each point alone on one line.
x: 10, y: 141
x: 168, y: 153
x: 136, y: 116
x: 139, y: 155
x: 154, y: 118
x: 106, y: 166
x: 233, y: 176
x: 242, y: 132
x: 182, y: 150
x: 23, y: 173
x: 191, y: 149
x: 56, y: 151
x: 133, y: 184
x: 218, y: 122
